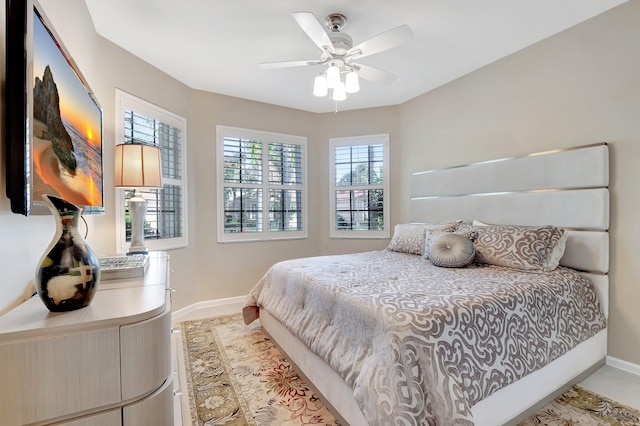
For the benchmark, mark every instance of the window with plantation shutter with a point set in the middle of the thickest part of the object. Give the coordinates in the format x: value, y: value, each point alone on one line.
x: 261, y: 185
x: 165, y: 222
x: 359, y: 186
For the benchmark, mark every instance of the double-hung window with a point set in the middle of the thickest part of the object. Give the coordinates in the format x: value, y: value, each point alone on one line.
x: 359, y: 187
x: 165, y: 224
x: 261, y: 185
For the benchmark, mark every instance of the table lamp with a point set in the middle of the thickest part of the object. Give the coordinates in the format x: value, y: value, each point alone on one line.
x: 137, y: 166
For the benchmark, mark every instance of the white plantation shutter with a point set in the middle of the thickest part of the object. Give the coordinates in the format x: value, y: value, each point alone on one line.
x: 165, y: 221
x: 261, y: 185
x: 359, y: 186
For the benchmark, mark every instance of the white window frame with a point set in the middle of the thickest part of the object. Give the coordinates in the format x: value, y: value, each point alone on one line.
x: 265, y: 137
x: 356, y: 141
x: 126, y: 101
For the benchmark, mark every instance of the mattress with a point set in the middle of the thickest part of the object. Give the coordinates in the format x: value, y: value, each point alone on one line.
x: 419, y: 344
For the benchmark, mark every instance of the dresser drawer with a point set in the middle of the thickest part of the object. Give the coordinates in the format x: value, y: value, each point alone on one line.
x: 59, y: 375
x: 156, y: 409
x: 145, y: 353
x: 108, y: 418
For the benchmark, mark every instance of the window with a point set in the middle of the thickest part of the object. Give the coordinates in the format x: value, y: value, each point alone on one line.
x: 165, y: 226
x: 359, y: 187
x: 261, y: 185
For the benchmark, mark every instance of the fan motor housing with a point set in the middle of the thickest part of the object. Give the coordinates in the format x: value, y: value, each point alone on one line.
x: 341, y: 42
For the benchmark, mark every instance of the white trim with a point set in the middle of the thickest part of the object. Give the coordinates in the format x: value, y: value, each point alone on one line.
x: 383, y: 139
x: 623, y: 365
x: 208, y: 308
x: 125, y: 100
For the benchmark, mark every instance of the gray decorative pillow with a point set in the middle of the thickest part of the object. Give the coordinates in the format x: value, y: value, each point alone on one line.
x: 521, y: 247
x: 450, y: 250
x: 409, y: 237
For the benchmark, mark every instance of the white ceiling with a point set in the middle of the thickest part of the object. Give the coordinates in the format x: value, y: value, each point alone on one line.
x: 216, y: 45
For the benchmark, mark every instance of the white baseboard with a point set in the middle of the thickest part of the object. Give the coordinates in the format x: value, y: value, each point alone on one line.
x: 620, y: 364
x: 209, y: 308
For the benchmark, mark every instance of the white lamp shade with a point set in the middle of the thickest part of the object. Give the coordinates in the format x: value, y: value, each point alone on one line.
x: 352, y: 84
x: 320, y: 88
x: 137, y: 166
x: 339, y: 94
x: 333, y: 77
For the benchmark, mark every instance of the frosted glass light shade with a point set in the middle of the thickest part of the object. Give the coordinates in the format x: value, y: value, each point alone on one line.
x: 352, y: 84
x: 333, y: 77
x: 320, y: 88
x: 137, y: 166
x: 339, y: 94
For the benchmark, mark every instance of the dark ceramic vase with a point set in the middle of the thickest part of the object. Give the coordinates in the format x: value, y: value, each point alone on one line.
x: 68, y: 274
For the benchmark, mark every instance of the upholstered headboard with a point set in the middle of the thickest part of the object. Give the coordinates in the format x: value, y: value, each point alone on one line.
x: 565, y: 187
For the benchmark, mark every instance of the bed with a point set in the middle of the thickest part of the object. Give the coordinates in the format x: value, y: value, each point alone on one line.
x: 389, y: 338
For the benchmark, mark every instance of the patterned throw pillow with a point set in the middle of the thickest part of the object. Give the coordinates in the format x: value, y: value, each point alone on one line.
x: 467, y: 230
x: 521, y: 247
x: 450, y: 250
x: 409, y: 237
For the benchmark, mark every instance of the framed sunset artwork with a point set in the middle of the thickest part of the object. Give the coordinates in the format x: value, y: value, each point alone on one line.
x: 55, y: 123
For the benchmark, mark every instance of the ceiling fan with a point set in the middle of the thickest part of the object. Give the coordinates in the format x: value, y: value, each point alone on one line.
x: 338, y: 52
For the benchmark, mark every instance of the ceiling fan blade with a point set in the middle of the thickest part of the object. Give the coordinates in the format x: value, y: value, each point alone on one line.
x: 287, y: 64
x: 375, y: 75
x: 386, y: 40
x: 314, y: 30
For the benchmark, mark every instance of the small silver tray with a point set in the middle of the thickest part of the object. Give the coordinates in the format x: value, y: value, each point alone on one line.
x: 121, y: 267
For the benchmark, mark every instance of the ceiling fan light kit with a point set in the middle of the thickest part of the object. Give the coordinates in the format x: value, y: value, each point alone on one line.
x: 320, y: 88
x: 330, y: 79
x: 339, y: 93
x: 333, y: 77
x: 337, y: 54
x: 352, y: 82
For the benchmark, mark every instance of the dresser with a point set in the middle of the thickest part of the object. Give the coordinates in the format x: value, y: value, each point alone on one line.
x: 108, y: 364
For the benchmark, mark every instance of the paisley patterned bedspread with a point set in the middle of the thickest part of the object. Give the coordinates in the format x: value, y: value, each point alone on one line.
x: 421, y: 344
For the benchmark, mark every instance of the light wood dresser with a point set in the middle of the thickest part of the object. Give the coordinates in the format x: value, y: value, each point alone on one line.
x: 108, y: 364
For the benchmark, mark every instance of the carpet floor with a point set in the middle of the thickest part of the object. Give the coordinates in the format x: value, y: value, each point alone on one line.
x: 235, y: 375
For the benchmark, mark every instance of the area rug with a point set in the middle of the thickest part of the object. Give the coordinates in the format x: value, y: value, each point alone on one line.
x: 235, y: 375
x: 578, y: 406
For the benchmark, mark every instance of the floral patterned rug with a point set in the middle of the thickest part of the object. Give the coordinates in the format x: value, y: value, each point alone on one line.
x: 236, y: 376
x: 578, y: 406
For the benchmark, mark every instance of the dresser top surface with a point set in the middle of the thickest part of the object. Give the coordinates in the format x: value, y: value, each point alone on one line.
x: 116, y: 303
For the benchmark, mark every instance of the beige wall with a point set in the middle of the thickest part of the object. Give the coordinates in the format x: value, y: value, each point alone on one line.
x: 230, y: 269
x: 354, y: 123
x: 578, y: 87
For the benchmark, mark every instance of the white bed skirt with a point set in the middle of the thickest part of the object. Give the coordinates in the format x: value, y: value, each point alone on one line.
x: 506, y: 406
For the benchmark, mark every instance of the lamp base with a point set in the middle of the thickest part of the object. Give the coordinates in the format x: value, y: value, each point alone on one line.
x: 137, y: 213
x: 133, y: 252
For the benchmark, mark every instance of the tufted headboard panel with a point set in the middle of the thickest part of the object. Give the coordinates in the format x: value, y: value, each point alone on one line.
x: 565, y: 187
